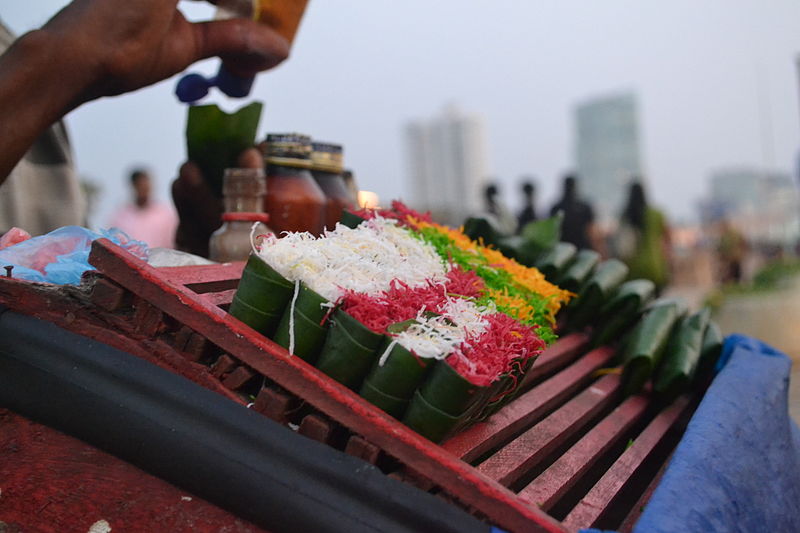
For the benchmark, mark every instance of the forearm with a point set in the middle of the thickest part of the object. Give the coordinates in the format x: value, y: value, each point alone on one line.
x: 32, y: 97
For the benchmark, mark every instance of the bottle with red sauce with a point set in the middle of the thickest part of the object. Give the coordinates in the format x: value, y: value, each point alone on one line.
x: 327, y: 166
x: 294, y: 201
x: 243, y: 190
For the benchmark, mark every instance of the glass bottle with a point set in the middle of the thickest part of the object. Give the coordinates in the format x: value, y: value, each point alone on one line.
x: 294, y: 201
x: 243, y: 190
x: 327, y: 167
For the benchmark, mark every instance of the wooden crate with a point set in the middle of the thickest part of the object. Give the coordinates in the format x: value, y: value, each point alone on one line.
x: 569, y: 453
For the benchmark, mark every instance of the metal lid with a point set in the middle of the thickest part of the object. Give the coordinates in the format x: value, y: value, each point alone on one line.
x: 288, y: 149
x: 327, y: 157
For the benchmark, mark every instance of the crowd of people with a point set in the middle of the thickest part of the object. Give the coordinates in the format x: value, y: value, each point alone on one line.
x: 640, y: 237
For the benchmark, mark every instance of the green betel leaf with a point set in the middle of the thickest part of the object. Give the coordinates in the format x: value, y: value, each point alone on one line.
x: 647, y: 343
x: 427, y: 420
x: 677, y: 370
x: 556, y: 260
x: 214, y: 139
x: 400, y: 327
x: 483, y: 229
x: 401, y: 372
x: 541, y: 236
x: 447, y: 390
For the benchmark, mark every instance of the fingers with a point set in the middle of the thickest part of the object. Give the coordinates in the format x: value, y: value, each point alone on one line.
x: 245, y: 46
x: 251, y: 158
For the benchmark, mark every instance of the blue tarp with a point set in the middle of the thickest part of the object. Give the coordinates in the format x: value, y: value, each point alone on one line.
x: 737, y: 467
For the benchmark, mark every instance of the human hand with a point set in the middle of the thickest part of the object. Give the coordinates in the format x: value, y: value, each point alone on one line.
x: 122, y: 45
x: 199, y: 210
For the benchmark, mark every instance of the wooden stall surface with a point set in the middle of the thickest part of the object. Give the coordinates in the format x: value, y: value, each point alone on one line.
x: 568, y: 453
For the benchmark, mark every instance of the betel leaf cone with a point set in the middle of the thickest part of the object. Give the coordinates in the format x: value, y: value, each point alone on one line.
x: 482, y: 229
x: 392, y: 405
x: 214, y: 138
x: 556, y: 260
x: 401, y: 373
x: 542, y: 235
x: 351, y: 220
x: 645, y: 347
x: 579, y: 270
x: 427, y: 420
x: 677, y: 369
x: 622, y: 310
x: 349, y: 350
x: 309, y: 336
x: 710, y: 352
x: 261, y: 297
x: 504, y: 390
x: 595, y: 292
x: 447, y: 390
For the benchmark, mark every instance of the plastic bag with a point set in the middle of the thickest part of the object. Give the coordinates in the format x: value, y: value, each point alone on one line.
x: 62, y: 256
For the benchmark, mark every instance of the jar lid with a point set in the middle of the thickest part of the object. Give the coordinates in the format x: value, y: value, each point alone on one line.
x: 244, y: 181
x: 327, y: 157
x: 288, y: 149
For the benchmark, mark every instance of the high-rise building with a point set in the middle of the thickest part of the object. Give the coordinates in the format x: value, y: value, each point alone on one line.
x: 447, y: 161
x: 607, y: 151
x: 763, y: 204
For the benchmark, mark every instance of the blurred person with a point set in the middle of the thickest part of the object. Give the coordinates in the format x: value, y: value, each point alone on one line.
x: 577, y: 226
x: 96, y: 48
x: 528, y: 213
x: 731, y: 251
x: 42, y: 192
x: 495, y: 206
x: 642, y: 240
x: 145, y: 219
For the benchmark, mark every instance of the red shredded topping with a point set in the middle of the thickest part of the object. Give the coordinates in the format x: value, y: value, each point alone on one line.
x: 399, y: 211
x: 501, y: 349
x: 402, y: 303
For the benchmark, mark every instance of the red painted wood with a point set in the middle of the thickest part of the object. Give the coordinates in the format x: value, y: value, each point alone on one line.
x: 560, y: 354
x: 237, y: 378
x: 273, y: 404
x: 645, y: 449
x: 107, y: 295
x: 528, y: 409
x: 358, y: 447
x: 52, y: 483
x: 537, y: 444
x: 185, y: 275
x: 147, y: 320
x: 223, y: 366
x: 638, y: 508
x: 470, y: 486
x: 560, y: 477
x: 219, y: 298
x: 66, y: 307
x: 315, y: 427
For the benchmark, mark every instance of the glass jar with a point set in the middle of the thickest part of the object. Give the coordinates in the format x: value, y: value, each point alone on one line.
x: 294, y: 201
x: 327, y: 167
x: 243, y: 190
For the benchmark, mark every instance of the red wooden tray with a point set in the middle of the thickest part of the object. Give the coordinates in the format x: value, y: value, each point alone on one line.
x: 568, y: 453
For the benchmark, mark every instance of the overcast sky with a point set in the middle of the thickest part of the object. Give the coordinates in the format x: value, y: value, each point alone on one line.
x: 715, y: 79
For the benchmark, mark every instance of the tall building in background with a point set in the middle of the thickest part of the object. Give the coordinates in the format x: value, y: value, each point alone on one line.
x: 607, y: 151
x: 762, y: 204
x: 447, y: 160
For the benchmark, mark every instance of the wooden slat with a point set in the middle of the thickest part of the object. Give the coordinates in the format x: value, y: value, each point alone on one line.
x: 273, y: 404
x: 537, y: 444
x: 638, y: 508
x: 358, y: 447
x: 219, y: 298
x: 528, y: 409
x: 569, y: 469
x: 560, y: 354
x: 237, y: 378
x: 470, y: 486
x: 185, y: 275
x: 315, y: 427
x: 601, y: 500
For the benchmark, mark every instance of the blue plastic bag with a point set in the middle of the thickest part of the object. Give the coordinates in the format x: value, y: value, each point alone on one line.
x: 62, y: 256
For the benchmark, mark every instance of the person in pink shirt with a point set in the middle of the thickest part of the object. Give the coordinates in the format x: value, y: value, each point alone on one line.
x: 146, y: 219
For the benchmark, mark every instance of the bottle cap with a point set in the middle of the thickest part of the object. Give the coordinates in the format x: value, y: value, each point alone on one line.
x: 288, y: 149
x: 327, y: 157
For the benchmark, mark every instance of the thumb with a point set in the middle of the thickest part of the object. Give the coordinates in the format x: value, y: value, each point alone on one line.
x: 245, y: 46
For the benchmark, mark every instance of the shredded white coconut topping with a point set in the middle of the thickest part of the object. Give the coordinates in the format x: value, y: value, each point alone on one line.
x: 364, y: 259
